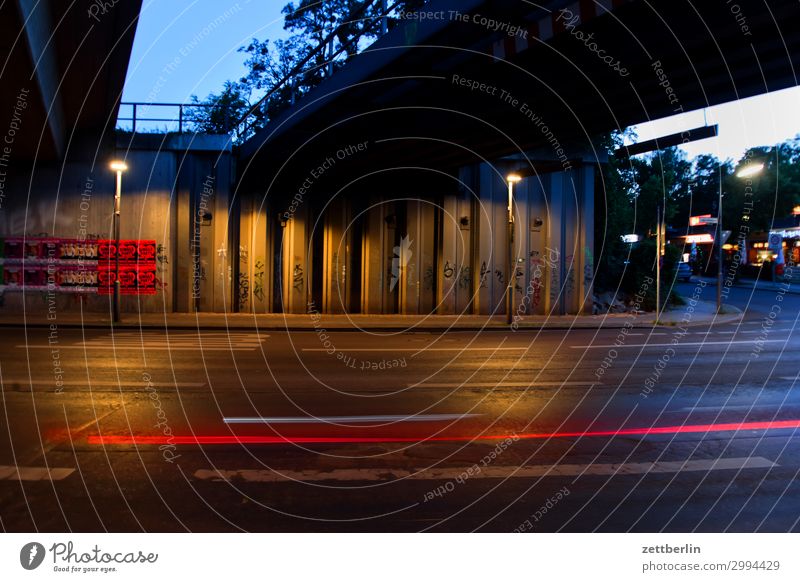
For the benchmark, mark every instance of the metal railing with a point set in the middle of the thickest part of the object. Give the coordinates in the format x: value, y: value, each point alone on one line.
x: 246, y: 123
x: 181, y: 109
x: 326, y: 46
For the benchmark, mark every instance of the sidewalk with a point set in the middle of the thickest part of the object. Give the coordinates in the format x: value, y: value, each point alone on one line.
x: 702, y: 314
x: 786, y: 287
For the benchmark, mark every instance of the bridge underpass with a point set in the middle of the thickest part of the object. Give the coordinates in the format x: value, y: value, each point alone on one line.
x: 383, y: 190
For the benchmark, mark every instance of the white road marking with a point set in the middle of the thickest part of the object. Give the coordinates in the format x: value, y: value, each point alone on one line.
x: 737, y: 407
x: 498, y: 384
x: 336, y: 419
x: 105, y: 383
x: 679, y: 344
x: 422, y: 349
x: 497, y: 472
x: 168, y: 347
x: 34, y: 473
x: 211, y: 341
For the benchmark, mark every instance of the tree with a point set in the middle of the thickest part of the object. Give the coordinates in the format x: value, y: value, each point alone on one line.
x: 285, y: 70
x: 773, y: 192
x: 221, y: 111
x: 661, y: 180
x: 613, y: 216
x: 315, y: 20
x: 268, y: 64
x: 702, y: 195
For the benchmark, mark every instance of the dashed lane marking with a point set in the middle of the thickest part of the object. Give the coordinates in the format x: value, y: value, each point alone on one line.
x: 8, y: 473
x: 679, y: 344
x: 344, y: 419
x: 497, y: 472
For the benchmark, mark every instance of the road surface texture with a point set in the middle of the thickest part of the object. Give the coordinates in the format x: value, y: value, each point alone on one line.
x: 674, y: 428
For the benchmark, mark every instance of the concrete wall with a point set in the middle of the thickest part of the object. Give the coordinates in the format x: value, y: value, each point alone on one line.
x: 168, y: 179
x: 411, y: 251
x: 423, y: 252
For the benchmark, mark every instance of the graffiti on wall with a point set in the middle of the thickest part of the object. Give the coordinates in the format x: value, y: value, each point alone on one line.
x: 258, y: 279
x: 484, y: 274
x: 298, y: 278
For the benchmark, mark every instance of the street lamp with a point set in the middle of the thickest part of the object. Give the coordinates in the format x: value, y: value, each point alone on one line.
x: 512, y: 271
x: 117, y: 166
x: 750, y: 169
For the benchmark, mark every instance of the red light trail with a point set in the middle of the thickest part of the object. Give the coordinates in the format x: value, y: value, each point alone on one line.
x: 278, y: 440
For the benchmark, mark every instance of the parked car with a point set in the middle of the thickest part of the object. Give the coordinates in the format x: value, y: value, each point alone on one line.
x: 684, y: 272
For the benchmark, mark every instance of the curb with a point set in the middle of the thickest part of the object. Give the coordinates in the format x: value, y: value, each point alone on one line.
x: 725, y: 319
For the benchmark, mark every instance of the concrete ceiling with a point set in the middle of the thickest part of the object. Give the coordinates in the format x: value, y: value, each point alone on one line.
x: 400, y: 94
x: 72, y: 56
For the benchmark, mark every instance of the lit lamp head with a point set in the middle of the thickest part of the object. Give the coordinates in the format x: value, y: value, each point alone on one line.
x: 750, y: 170
x: 118, y: 166
x: 513, y: 178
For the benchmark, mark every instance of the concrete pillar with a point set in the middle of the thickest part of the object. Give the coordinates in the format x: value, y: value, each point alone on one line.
x: 571, y: 244
x: 184, y: 245
x: 535, y: 224
x: 586, y: 240
x: 457, y: 276
x: 337, y: 259
x: 376, y: 247
x: 244, y: 299
x: 555, y: 247
x: 417, y: 258
x: 261, y: 263
x: 225, y: 232
x: 490, y: 255
x: 295, y: 263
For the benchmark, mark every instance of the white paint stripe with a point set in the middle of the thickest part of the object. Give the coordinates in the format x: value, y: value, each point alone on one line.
x: 737, y: 407
x: 336, y: 419
x: 34, y: 473
x: 421, y: 349
x: 183, y: 336
x: 170, y: 343
x: 677, y: 345
x: 139, y: 347
x: 498, y: 472
x: 498, y: 384
x: 166, y: 384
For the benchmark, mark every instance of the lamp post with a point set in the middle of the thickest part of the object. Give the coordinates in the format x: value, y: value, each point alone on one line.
x: 512, y: 271
x: 119, y: 167
x: 750, y: 169
x: 753, y: 169
x: 719, y: 247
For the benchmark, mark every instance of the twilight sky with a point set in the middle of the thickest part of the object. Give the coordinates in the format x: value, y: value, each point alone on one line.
x: 190, y: 48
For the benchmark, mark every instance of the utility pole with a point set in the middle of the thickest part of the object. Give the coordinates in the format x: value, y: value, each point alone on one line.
x: 512, y: 270
x: 719, y: 247
x: 658, y: 262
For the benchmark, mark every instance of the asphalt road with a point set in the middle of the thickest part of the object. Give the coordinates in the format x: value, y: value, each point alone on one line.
x: 663, y: 429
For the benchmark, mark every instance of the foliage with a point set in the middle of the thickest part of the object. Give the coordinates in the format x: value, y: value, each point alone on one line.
x: 223, y: 110
x: 270, y: 63
x: 613, y: 217
x: 640, y: 276
x: 630, y: 191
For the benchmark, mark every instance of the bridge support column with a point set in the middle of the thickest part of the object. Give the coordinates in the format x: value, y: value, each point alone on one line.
x: 295, y: 265
x: 457, y: 276
x: 378, y: 241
